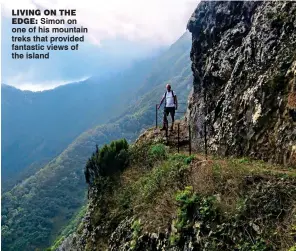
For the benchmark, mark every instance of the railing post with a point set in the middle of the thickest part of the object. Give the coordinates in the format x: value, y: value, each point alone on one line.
x: 189, y: 140
x: 156, y: 115
x: 205, y: 121
x: 206, y: 142
x: 178, y: 137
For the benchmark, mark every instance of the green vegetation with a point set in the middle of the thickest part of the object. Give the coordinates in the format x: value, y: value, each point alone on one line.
x: 186, y: 199
x: 158, y: 151
x: 201, y: 216
x: 136, y: 227
x: 221, y: 204
x: 137, y: 187
x: 69, y: 229
x: 108, y: 161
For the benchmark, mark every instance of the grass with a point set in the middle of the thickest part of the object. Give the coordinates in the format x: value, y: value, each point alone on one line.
x: 149, y: 193
x: 161, y: 189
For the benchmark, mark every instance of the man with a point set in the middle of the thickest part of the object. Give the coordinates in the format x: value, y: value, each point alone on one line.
x: 171, y: 105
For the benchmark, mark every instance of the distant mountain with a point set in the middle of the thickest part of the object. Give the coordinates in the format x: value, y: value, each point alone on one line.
x: 171, y: 64
x: 35, y: 211
x: 37, y: 126
x: 91, y: 59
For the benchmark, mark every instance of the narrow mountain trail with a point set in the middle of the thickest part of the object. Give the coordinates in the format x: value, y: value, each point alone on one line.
x: 172, y: 141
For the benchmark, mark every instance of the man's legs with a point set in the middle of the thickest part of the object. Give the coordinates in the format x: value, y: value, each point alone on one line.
x: 172, y: 112
x: 165, y: 119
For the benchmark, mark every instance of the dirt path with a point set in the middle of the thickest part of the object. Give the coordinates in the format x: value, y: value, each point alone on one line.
x: 171, y: 139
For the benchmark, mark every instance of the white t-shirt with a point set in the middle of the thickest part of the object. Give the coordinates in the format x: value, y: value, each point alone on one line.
x: 169, y: 99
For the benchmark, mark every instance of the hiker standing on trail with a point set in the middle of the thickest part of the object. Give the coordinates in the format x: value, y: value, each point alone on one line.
x: 171, y: 105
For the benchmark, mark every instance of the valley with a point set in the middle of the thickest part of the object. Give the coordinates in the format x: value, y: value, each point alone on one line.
x: 60, y: 184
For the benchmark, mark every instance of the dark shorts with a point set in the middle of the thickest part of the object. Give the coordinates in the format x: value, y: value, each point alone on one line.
x: 170, y: 110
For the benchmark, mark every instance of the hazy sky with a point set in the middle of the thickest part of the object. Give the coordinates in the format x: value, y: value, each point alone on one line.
x: 126, y: 29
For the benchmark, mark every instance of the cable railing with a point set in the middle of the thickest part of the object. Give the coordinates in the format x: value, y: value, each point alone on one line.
x: 159, y: 115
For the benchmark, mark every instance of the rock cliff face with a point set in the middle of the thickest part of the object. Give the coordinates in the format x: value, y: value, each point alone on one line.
x: 244, y: 65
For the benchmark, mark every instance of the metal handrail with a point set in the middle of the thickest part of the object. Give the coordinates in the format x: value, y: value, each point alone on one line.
x: 157, y: 114
x: 178, y: 137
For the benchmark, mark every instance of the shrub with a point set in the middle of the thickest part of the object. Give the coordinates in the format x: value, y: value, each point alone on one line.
x: 182, y: 158
x: 107, y: 161
x: 139, y: 155
x: 146, y: 154
x: 158, y: 152
x: 136, y: 227
x: 190, y: 207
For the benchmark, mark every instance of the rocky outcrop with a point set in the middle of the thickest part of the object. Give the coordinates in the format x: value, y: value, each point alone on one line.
x: 243, y: 61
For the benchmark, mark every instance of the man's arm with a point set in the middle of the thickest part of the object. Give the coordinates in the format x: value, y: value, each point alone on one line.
x: 176, y: 102
x: 161, y: 101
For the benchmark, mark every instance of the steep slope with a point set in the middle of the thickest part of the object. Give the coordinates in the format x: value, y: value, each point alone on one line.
x: 243, y: 60
x: 163, y: 200
x: 35, y: 211
x: 37, y: 126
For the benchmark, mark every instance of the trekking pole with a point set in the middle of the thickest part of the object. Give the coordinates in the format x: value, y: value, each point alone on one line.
x: 156, y: 116
x: 178, y: 137
x: 189, y: 140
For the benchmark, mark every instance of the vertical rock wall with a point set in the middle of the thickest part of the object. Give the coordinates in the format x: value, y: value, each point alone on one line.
x: 244, y: 66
